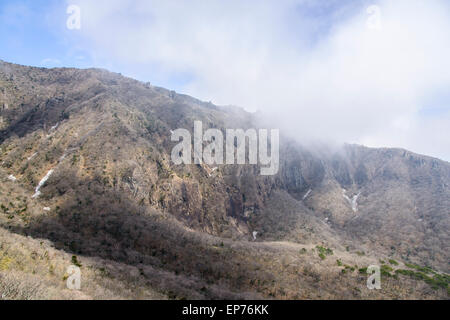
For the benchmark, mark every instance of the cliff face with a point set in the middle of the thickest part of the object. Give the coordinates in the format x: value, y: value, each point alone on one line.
x: 107, y: 140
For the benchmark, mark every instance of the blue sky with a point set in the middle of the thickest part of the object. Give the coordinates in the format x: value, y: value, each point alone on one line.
x: 34, y: 30
x: 317, y: 69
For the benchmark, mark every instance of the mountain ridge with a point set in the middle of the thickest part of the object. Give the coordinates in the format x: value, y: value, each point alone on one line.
x: 107, y: 138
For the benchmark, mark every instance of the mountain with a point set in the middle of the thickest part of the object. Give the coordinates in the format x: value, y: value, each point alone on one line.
x: 86, y: 171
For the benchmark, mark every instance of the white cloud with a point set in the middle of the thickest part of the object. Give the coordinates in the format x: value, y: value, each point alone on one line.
x: 318, y: 76
x: 49, y: 63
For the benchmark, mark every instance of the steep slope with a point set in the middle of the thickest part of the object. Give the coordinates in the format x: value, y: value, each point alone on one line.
x: 94, y: 147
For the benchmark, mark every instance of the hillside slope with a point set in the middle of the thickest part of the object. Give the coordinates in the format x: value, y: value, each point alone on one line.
x: 103, y: 142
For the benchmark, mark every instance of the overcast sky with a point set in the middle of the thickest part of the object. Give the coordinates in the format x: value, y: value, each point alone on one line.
x: 370, y: 72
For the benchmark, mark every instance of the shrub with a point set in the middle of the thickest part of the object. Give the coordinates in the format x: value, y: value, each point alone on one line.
x: 323, y: 252
x: 349, y: 268
x: 362, y: 270
x: 5, y: 262
x: 75, y: 262
x: 419, y: 268
x: 436, y: 282
x: 405, y: 272
x: 386, y: 270
x: 393, y: 262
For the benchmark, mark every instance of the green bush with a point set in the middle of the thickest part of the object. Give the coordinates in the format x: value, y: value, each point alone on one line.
x: 386, y: 270
x: 324, y: 251
x: 362, y: 270
x: 405, y: 272
x: 75, y: 261
x: 349, y: 268
x: 436, y: 282
x: 393, y: 262
x: 419, y: 268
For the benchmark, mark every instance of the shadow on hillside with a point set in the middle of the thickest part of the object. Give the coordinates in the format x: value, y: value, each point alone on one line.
x: 29, y: 118
x: 97, y: 221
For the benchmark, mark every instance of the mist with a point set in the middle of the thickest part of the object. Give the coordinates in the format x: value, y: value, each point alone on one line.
x: 326, y: 71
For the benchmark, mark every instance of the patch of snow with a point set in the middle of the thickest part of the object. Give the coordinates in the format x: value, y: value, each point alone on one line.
x: 37, y: 193
x: 255, y: 233
x: 52, y: 129
x: 420, y: 220
x: 66, y: 153
x: 32, y: 156
x: 47, y: 209
x: 347, y: 198
x: 353, y: 202
x: 307, y: 194
x: 212, y: 171
x: 12, y: 178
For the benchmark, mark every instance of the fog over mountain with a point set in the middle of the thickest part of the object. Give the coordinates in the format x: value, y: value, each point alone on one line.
x: 328, y: 71
x: 87, y: 179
